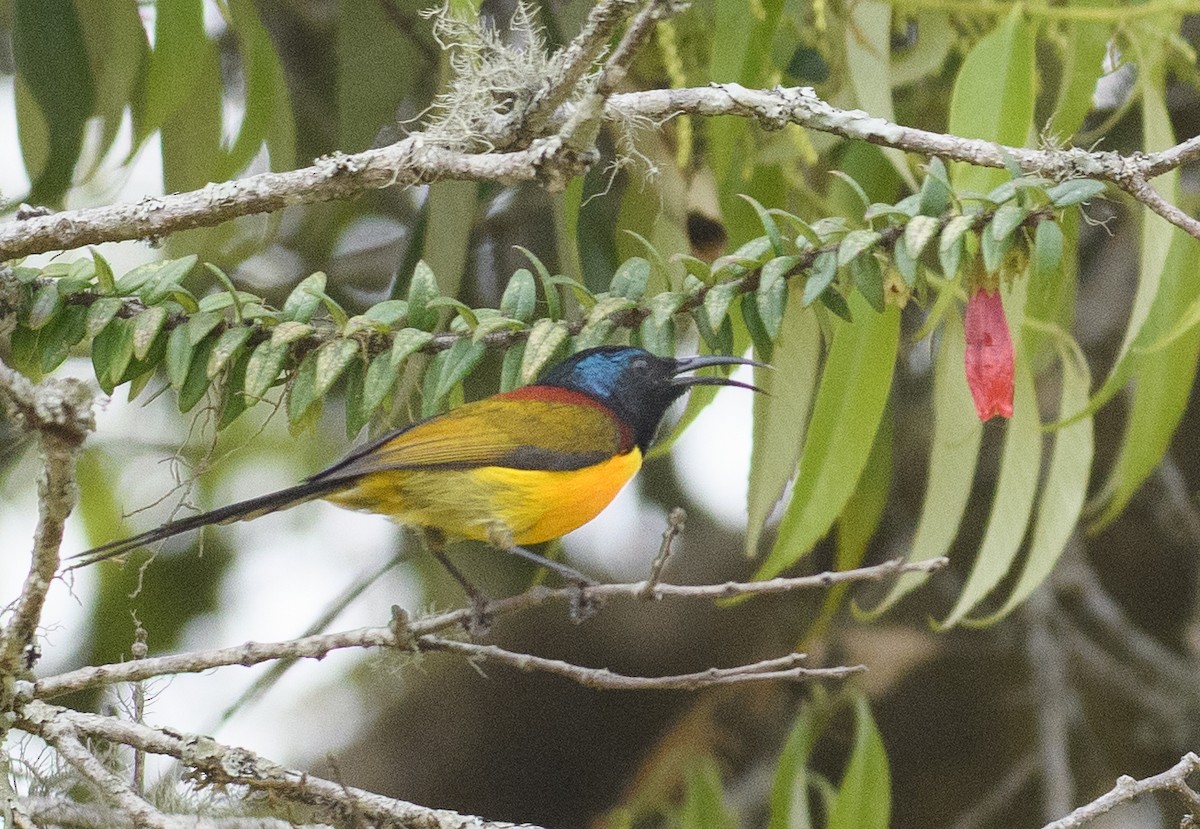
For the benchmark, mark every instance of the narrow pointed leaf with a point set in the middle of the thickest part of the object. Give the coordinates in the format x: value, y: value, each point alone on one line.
x: 846, y: 414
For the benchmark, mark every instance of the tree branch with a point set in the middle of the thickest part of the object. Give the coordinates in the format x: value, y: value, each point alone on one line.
x: 1172, y: 780
x: 60, y: 411
x: 412, y: 161
x: 316, y: 647
x: 214, y: 764
x: 65, y: 740
x: 781, y: 668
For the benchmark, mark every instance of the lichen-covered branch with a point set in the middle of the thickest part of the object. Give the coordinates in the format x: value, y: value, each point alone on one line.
x: 214, y: 764
x: 413, y: 161
x: 60, y: 412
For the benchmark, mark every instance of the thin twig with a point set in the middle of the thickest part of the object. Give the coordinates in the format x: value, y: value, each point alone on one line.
x: 675, y: 522
x: 781, y: 668
x: 316, y: 647
x: 1172, y: 780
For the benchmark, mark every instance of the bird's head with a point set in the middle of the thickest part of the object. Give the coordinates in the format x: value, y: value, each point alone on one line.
x: 635, y: 384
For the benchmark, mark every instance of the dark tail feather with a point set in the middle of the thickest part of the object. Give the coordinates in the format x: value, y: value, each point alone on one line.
x: 241, y: 511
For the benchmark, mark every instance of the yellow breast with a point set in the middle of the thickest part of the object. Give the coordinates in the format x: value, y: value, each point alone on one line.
x: 534, y: 505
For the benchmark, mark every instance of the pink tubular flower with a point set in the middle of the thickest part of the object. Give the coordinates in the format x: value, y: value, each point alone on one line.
x: 989, y: 361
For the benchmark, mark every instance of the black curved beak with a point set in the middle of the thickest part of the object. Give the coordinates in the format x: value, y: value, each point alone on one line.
x: 693, y: 363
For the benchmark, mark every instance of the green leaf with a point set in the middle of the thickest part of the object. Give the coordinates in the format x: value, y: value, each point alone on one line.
x: 820, y: 277
x: 146, y: 327
x: 179, y: 356
x: 388, y: 313
x: 1163, y: 381
x: 950, y: 246
x: 763, y: 345
x: 520, y: 296
x: 52, y: 65
x: 993, y: 251
x: 864, y: 798
x: 781, y: 415
x: 197, y: 381
x: 267, y: 105
x: 112, y: 350
x: 174, y: 65
x: 200, y: 325
x: 703, y: 806
x: 1013, y: 501
x: 1082, y: 57
x: 408, y: 341
x: 289, y: 331
x: 377, y: 385
x: 994, y: 94
x: 356, y: 416
x: 332, y: 359
x: 1064, y: 489
x: 227, y: 349
x: 955, y: 450
x: 631, y: 279
x: 461, y: 359
x: 510, y: 368
x: 543, y: 343
x: 605, y: 307
x: 262, y: 370
x: 1075, y: 191
x: 465, y: 312
x: 305, y: 298
x: 868, y: 279
x: 1047, y: 249
x: 773, y: 292
x: 1157, y: 234
x: 105, y: 282
x: 868, y: 59
x: 1008, y: 218
x: 117, y: 50
x: 46, y: 303
x: 789, y: 789
x: 768, y: 223
x: 919, y: 231
x: 935, y: 189
x: 846, y: 414
x: 855, y: 244
x: 657, y: 336
x: 717, y: 301
x: 904, y: 262
x: 422, y: 290
x: 233, y: 397
x: 855, y: 187
x: 302, y: 391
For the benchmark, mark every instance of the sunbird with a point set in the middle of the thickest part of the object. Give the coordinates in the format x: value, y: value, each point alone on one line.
x: 520, y: 467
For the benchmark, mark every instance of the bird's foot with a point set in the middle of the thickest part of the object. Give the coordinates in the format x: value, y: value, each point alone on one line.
x: 582, y: 605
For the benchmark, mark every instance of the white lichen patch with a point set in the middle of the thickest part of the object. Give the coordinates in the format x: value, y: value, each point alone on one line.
x: 495, y: 76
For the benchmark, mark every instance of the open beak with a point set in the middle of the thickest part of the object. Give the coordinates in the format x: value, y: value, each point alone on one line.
x: 693, y: 363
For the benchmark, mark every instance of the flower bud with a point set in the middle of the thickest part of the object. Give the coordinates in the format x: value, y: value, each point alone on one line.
x: 989, y: 358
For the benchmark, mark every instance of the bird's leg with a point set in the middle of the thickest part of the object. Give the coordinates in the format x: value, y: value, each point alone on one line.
x: 479, y: 623
x: 582, y: 607
x: 500, y: 537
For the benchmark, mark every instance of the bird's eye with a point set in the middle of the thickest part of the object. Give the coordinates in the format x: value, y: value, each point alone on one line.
x: 639, y: 364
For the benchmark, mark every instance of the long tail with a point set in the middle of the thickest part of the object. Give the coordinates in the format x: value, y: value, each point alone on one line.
x: 241, y: 511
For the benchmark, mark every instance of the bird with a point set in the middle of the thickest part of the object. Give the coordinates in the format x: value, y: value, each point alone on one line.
x: 517, y: 468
